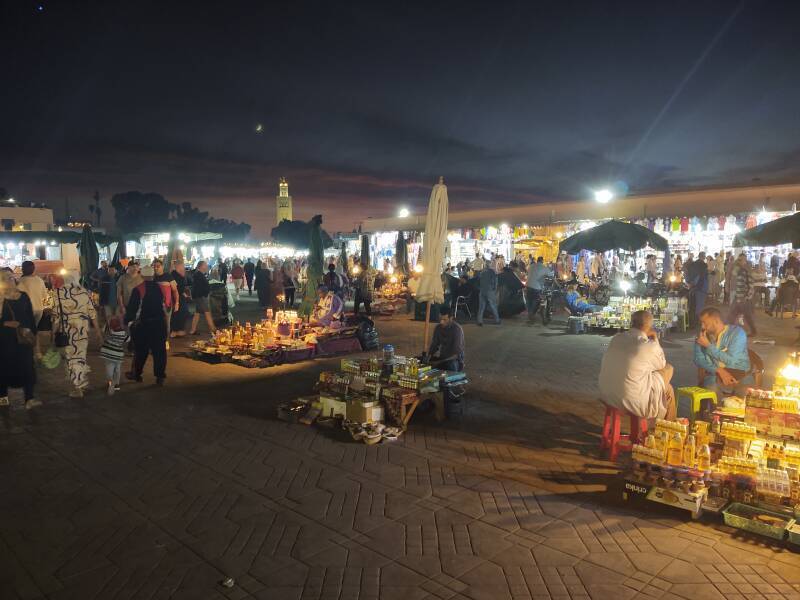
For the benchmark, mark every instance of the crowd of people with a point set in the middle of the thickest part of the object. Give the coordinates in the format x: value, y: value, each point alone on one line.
x: 128, y: 307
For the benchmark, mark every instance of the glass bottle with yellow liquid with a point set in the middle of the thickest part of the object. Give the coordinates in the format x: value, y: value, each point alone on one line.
x: 675, y: 450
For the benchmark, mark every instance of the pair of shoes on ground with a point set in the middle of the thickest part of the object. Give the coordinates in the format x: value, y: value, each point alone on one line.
x: 138, y: 379
x: 29, y: 404
x: 111, y: 389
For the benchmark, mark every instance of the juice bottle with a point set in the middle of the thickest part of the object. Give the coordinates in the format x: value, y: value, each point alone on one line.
x: 662, y: 441
x: 704, y: 458
x: 688, y: 451
x: 675, y: 450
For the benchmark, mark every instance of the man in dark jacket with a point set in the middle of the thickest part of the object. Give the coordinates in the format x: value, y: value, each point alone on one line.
x: 200, y: 292
x: 488, y: 294
x: 146, y: 316
x: 249, y: 271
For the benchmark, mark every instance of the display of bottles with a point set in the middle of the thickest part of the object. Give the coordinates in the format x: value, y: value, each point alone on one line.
x: 689, y: 451
x: 650, y: 441
x: 738, y: 431
x: 704, y: 458
x: 774, y: 482
x: 671, y: 426
x: 743, y: 466
x: 641, y: 453
x: 785, y: 404
x: 675, y: 450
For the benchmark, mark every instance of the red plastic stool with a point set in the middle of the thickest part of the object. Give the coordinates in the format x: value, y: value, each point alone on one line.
x: 611, y: 435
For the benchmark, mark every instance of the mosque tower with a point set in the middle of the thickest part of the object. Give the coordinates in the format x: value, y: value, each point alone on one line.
x: 283, y: 201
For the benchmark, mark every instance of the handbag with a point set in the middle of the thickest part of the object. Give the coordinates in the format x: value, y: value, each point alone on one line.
x: 61, y: 337
x: 46, y: 322
x: 25, y: 336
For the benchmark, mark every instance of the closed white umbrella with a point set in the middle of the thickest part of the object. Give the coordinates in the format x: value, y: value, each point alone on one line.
x: 430, y: 285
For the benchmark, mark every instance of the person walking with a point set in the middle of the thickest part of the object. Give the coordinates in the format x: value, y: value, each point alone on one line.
x: 289, y: 285
x: 113, y: 352
x: 107, y: 290
x: 263, y: 284
x: 742, y: 295
x: 537, y: 272
x: 365, y: 289
x: 249, y: 271
x: 172, y: 299
x: 697, y: 279
x: 237, y: 276
x: 145, y: 317
x: 200, y: 292
x: 181, y: 314
x: 126, y: 284
x: 17, y: 339
x: 74, y: 315
x: 222, y: 266
x: 32, y: 285
x: 488, y: 293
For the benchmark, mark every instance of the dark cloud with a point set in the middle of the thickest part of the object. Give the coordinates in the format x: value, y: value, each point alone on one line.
x: 364, y: 105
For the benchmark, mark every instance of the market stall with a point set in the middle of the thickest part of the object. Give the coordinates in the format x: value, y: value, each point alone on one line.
x: 739, y: 457
x: 373, y: 399
x: 283, y: 337
x: 667, y: 311
x: 390, y: 297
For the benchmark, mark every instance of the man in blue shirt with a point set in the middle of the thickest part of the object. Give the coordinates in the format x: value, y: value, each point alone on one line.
x: 720, y: 351
x: 577, y: 304
x: 488, y: 293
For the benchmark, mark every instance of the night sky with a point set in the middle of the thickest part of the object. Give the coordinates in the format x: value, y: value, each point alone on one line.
x: 364, y: 106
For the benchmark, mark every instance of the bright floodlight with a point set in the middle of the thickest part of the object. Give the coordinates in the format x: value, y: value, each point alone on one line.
x: 11, y: 200
x: 625, y: 286
x: 603, y: 196
x: 403, y: 213
x: 418, y: 268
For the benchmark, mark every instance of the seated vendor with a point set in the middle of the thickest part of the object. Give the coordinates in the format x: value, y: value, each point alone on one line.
x: 635, y: 375
x: 447, y: 347
x: 578, y: 304
x: 720, y: 352
x: 329, y: 307
x: 786, y: 292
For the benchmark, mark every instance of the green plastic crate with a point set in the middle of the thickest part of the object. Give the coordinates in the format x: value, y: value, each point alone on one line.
x: 739, y: 516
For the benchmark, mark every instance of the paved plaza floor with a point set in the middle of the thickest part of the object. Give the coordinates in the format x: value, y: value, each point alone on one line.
x: 166, y: 492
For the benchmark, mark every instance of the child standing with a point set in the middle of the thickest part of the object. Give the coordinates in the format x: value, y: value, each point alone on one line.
x: 113, y: 352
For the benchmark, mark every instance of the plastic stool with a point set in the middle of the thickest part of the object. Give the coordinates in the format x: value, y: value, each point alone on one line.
x: 611, y: 435
x: 690, y: 401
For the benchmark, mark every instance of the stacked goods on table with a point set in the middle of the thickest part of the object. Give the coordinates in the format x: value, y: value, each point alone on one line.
x: 373, y: 398
x: 745, y: 461
x: 666, y: 311
x: 280, y: 338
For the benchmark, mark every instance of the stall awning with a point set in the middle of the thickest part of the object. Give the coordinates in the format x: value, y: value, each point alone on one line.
x: 613, y: 235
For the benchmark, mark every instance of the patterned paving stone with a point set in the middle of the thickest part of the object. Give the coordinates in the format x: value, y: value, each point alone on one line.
x: 150, y: 496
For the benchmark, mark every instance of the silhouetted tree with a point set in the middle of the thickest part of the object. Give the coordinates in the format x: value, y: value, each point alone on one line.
x: 142, y: 212
x: 296, y: 234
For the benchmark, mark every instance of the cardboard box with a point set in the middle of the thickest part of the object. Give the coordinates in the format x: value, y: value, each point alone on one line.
x: 364, y: 412
x: 332, y: 406
x: 760, y: 418
x: 792, y: 425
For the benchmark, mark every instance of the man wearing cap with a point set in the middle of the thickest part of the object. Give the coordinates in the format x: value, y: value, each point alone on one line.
x: 145, y: 316
x: 329, y: 306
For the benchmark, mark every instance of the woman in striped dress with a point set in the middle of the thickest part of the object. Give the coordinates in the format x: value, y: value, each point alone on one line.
x: 74, y: 313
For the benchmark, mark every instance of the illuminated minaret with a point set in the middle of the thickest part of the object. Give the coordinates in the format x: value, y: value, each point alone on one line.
x: 283, y: 201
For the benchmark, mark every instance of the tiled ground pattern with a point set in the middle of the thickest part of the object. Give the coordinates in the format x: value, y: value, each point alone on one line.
x: 165, y: 493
